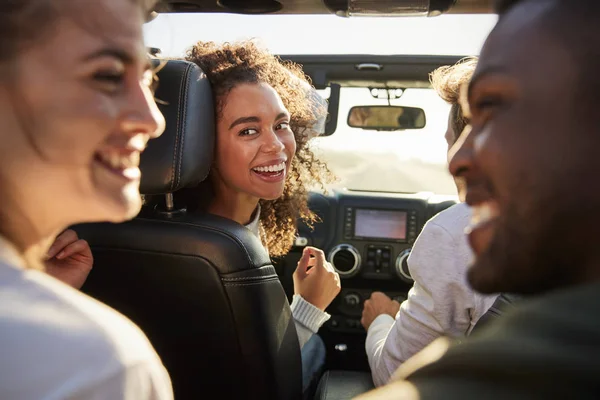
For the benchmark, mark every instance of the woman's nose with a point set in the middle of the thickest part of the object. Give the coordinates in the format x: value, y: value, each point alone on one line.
x: 142, y: 114
x: 273, y: 143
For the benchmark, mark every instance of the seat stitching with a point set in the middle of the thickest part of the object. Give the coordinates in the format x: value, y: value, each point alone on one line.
x: 174, y: 168
x: 263, y: 281
x: 185, y: 100
x: 211, y: 228
x: 204, y: 77
x: 247, y: 278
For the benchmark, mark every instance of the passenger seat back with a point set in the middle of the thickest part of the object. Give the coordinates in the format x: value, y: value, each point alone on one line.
x: 201, y: 287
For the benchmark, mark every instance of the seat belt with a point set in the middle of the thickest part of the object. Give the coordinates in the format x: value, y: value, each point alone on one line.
x: 503, y: 303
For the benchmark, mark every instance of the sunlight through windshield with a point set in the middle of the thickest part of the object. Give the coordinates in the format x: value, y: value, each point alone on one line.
x: 399, y: 161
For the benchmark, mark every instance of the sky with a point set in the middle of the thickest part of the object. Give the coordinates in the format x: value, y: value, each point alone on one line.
x: 461, y: 35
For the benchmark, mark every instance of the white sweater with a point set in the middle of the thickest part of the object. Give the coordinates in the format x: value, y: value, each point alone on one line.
x: 307, y: 318
x: 440, y: 303
x: 57, y: 343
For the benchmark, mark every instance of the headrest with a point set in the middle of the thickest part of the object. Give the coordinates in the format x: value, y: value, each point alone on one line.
x: 182, y: 155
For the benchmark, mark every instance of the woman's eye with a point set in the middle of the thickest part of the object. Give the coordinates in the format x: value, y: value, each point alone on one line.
x: 110, y: 80
x: 248, y: 132
x: 282, y: 125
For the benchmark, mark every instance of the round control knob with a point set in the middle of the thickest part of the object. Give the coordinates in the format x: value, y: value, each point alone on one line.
x: 352, y: 300
x: 402, y: 267
x: 345, y: 259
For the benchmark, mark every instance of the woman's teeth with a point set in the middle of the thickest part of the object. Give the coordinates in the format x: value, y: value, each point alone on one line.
x: 120, y: 161
x: 270, y: 168
x: 484, y: 212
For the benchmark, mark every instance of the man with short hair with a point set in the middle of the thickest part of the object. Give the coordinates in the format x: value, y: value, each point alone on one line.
x: 530, y: 161
x: 441, y: 302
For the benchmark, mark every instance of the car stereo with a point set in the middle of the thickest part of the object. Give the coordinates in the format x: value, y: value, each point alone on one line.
x: 380, y: 224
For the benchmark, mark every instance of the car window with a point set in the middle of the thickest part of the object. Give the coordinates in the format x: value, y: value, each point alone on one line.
x: 398, y: 161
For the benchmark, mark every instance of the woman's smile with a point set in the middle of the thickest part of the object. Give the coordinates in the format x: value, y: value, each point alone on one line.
x: 272, y: 171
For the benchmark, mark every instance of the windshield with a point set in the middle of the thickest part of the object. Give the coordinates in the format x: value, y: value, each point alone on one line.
x: 396, y: 161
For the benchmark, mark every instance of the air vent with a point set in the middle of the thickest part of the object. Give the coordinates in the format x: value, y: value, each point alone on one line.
x: 402, y: 269
x: 344, y: 261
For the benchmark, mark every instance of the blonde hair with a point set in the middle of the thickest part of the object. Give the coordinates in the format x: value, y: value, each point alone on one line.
x: 448, y: 81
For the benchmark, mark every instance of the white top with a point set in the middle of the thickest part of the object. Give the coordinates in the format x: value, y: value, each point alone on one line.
x: 440, y: 303
x: 307, y: 318
x: 57, y: 343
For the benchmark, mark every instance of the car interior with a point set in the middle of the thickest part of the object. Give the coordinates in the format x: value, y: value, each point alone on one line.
x: 203, y: 288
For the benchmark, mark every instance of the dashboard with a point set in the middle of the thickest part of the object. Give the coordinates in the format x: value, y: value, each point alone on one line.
x: 372, y: 237
x: 367, y: 237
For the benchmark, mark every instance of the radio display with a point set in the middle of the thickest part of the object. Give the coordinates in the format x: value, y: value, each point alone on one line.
x: 380, y: 224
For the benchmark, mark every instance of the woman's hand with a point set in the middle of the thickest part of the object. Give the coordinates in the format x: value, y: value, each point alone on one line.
x: 315, y: 279
x: 69, y: 259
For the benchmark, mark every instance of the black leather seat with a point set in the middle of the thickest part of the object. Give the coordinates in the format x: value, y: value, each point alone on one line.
x: 341, y: 385
x: 201, y: 287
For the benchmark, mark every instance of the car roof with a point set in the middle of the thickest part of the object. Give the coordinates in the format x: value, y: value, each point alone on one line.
x: 378, y: 71
x: 296, y: 6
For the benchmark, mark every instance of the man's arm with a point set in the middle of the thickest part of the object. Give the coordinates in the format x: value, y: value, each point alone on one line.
x: 438, y: 304
x: 376, y: 337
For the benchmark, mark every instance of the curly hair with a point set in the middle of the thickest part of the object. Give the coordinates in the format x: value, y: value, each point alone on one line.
x: 448, y: 81
x: 230, y: 64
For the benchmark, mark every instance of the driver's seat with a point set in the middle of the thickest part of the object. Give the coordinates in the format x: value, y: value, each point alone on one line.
x: 202, y: 288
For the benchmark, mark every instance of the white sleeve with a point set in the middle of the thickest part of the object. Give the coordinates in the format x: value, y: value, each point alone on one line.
x: 438, y: 304
x: 376, y: 337
x: 142, y: 381
x: 308, y: 318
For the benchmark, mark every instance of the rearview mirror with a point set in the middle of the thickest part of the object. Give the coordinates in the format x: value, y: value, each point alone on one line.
x: 386, y: 118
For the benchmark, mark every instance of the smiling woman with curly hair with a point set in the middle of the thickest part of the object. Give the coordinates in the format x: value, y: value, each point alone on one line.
x: 234, y: 66
x: 266, y: 112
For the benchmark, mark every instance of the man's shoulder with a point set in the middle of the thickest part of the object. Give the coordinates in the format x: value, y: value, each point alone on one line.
x: 57, y: 334
x: 446, y: 227
x: 549, y: 325
x: 554, y: 316
x: 548, y: 346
